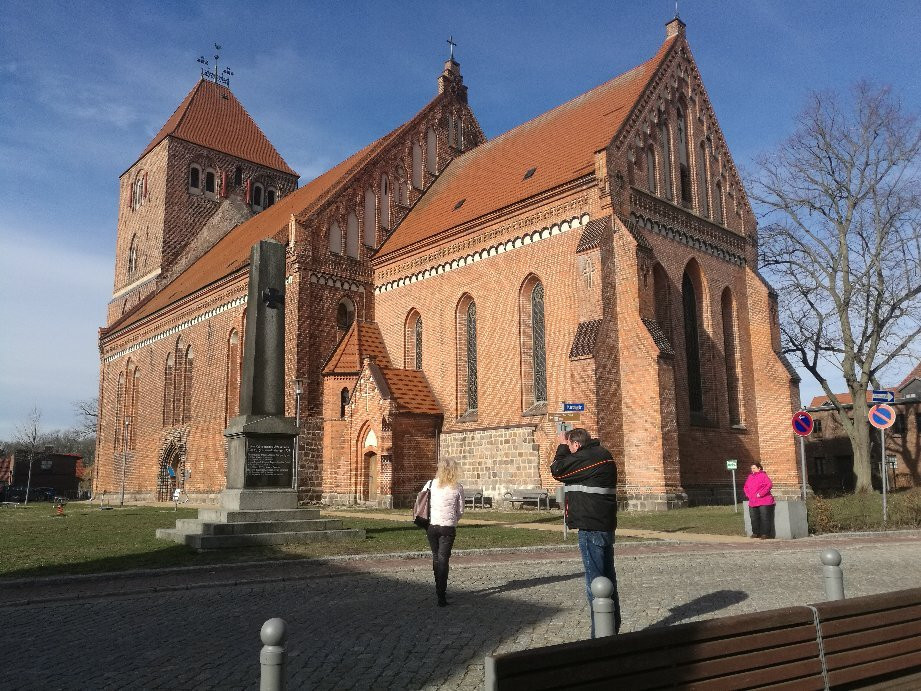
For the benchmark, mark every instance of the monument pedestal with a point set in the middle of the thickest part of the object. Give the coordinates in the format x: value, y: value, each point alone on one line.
x: 259, y: 504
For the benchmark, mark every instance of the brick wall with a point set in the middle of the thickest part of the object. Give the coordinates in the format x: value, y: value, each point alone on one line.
x: 497, y: 460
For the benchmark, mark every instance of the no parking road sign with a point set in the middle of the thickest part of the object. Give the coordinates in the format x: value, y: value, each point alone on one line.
x: 881, y: 416
x: 802, y: 423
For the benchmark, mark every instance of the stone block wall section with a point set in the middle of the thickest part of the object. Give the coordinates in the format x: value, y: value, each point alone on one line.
x: 497, y: 459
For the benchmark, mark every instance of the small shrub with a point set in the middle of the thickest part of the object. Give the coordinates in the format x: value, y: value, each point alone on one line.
x: 820, y: 516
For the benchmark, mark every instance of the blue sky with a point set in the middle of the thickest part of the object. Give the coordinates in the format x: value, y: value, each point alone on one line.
x: 85, y: 86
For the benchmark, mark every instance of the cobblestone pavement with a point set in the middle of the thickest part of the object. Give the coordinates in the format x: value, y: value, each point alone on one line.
x: 372, y: 623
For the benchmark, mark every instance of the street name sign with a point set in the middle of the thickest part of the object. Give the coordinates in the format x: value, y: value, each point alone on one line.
x: 732, y: 464
x: 883, y: 396
x: 574, y: 407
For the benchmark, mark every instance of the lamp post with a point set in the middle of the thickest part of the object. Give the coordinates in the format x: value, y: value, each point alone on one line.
x: 124, y: 457
x: 298, y: 390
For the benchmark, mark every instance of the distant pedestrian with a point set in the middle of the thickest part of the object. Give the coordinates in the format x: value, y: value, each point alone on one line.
x: 590, y: 475
x: 760, y: 502
x: 447, y: 505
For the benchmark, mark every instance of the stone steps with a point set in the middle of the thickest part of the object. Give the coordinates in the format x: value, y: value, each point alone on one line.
x: 189, y: 526
x: 205, y: 542
x: 256, y: 516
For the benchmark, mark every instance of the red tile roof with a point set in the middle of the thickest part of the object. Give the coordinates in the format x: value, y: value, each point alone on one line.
x: 914, y: 374
x: 363, y: 339
x: 560, y: 144
x: 212, y: 117
x: 411, y: 391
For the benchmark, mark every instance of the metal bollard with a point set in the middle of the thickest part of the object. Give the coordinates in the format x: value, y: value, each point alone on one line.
x: 833, y: 575
x: 603, y: 606
x: 272, y: 658
x: 561, y: 502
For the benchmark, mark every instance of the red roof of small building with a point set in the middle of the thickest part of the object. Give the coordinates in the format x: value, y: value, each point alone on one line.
x: 363, y: 339
x: 843, y: 398
x: 560, y: 145
x: 411, y: 391
x: 914, y: 374
x: 212, y: 117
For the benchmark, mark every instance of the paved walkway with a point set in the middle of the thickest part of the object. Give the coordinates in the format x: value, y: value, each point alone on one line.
x: 557, y: 527
x: 371, y: 622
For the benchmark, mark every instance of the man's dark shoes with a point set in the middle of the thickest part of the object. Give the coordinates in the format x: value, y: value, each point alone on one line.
x: 442, y: 602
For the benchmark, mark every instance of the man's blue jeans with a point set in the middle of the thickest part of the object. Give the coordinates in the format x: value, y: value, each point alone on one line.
x: 597, y: 548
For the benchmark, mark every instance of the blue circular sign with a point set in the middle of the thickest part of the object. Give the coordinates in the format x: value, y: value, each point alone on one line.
x: 881, y: 416
x: 802, y: 423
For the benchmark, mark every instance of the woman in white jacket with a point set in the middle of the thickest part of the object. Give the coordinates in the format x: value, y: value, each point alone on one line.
x: 447, y: 505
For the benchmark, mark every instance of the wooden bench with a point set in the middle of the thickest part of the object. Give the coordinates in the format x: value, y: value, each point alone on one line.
x: 471, y: 494
x: 521, y: 495
x: 868, y: 642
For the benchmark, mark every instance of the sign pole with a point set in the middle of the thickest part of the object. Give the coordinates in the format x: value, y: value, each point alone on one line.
x: 802, y: 460
x: 735, y: 496
x: 882, y: 436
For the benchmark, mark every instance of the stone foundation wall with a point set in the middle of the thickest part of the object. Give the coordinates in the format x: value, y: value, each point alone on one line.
x: 495, y: 459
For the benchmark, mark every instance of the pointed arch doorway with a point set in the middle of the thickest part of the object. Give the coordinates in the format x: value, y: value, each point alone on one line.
x: 369, y: 473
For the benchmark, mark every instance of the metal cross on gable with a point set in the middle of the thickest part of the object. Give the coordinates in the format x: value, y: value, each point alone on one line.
x: 452, y: 44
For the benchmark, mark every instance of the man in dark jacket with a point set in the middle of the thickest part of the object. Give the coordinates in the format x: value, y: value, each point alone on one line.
x: 590, y: 475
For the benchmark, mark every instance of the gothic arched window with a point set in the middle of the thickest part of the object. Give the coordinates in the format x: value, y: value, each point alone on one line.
x: 431, y: 151
x: 335, y: 238
x: 731, y: 357
x: 343, y: 401
x: 418, y: 177
x: 194, y: 179
x: 345, y: 314
x: 119, y: 403
x: 467, y: 398
x: 168, y: 389
x: 385, y: 202
x: 186, y: 407
x: 666, y: 138
x: 718, y: 203
x: 418, y: 349
x: 651, y: 179
x: 351, y: 236
x: 368, y: 221
x: 210, y: 182
x: 703, y: 182
x: 131, y: 403
x: 257, y: 197
x: 533, y: 343
x: 684, y: 170
x: 692, y: 343
x: 133, y: 256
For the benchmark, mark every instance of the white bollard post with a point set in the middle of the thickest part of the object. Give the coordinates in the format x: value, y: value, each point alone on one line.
x: 834, y: 576
x: 272, y: 658
x: 603, y: 606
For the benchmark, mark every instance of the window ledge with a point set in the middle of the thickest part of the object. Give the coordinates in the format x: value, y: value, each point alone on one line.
x: 738, y: 427
x: 469, y: 416
x: 536, y: 409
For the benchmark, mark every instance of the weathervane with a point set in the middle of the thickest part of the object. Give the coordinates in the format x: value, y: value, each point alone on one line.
x: 452, y: 44
x: 214, y: 75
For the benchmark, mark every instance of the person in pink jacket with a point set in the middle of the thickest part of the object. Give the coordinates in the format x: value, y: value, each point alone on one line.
x: 760, y: 502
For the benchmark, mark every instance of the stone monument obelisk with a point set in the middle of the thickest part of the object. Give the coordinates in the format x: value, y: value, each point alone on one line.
x: 260, y: 441
x: 259, y: 505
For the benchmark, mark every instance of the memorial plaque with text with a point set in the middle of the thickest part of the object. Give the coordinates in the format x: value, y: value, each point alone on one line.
x: 269, y: 462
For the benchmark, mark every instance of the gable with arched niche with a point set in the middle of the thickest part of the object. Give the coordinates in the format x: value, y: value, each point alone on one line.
x: 675, y: 149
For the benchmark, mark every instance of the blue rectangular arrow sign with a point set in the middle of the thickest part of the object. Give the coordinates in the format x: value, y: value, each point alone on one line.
x: 574, y: 407
x: 883, y: 396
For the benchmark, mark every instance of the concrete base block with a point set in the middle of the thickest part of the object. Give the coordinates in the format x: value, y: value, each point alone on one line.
x: 789, y: 520
x: 258, y: 499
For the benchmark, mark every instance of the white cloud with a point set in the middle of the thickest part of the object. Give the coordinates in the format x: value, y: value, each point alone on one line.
x: 53, y: 303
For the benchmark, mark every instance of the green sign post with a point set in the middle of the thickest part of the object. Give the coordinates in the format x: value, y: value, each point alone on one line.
x: 731, y: 465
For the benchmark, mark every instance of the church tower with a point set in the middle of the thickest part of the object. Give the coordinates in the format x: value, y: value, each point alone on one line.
x: 208, y: 169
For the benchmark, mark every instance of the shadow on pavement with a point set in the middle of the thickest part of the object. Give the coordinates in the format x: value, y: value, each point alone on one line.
x: 705, y: 604
x: 348, y: 627
x: 522, y: 583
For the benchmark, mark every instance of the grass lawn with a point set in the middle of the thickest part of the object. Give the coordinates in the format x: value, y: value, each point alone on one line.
x: 34, y: 542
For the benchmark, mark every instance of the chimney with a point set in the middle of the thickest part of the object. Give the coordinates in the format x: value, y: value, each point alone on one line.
x: 674, y: 28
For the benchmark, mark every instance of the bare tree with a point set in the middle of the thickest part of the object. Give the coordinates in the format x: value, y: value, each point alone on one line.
x: 28, y: 437
x: 87, y: 412
x: 841, y: 244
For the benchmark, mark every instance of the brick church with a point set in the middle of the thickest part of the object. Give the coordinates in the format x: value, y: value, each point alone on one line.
x: 447, y: 294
